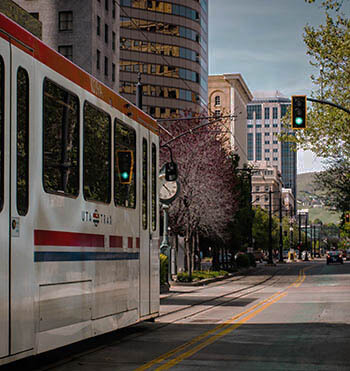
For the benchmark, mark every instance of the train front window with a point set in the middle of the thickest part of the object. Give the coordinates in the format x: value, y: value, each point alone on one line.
x: 22, y: 140
x: 2, y: 113
x: 124, y: 165
x: 97, y: 154
x: 61, y: 140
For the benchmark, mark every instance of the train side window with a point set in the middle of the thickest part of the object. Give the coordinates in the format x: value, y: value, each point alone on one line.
x: 61, y: 140
x: 124, y: 165
x: 97, y: 154
x: 2, y: 120
x: 22, y: 141
x: 154, y: 187
x: 144, y: 183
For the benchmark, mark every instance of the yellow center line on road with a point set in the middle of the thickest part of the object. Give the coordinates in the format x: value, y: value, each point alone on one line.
x: 202, y: 336
x: 217, y: 336
x: 227, y: 326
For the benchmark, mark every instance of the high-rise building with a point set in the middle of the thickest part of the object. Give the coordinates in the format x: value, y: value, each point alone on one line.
x: 229, y: 96
x: 264, y: 114
x: 84, y: 31
x: 167, y: 42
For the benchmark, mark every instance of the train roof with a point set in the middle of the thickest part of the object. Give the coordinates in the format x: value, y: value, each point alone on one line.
x: 24, y: 40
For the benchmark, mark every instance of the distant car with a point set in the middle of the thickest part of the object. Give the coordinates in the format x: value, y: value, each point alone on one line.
x: 335, y: 257
x: 347, y: 254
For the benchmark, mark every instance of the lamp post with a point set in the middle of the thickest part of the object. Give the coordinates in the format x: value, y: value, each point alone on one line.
x: 281, y: 232
x: 299, y: 239
x: 306, y: 242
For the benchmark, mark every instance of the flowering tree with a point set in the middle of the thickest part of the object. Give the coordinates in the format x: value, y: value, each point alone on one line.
x: 207, y: 201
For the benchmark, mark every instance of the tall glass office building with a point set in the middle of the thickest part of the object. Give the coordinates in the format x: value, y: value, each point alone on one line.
x: 264, y: 116
x: 167, y: 42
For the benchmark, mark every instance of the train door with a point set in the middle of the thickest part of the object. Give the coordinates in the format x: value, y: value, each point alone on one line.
x: 4, y: 194
x: 21, y: 228
x: 145, y: 233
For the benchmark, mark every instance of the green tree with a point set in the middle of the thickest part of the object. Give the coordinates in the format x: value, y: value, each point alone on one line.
x: 335, y: 184
x: 261, y: 229
x: 328, y: 129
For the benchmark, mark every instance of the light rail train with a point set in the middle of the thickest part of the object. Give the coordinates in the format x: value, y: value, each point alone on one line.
x: 79, y: 219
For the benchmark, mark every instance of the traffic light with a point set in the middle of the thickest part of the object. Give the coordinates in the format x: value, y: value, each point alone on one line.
x: 171, y: 171
x: 125, y: 165
x: 347, y: 217
x: 299, y: 114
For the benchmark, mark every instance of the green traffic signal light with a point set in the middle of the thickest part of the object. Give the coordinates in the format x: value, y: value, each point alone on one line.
x: 125, y: 165
x: 299, y: 120
x: 299, y: 112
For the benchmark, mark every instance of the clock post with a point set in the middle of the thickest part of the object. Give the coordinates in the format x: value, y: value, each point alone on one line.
x: 164, y: 246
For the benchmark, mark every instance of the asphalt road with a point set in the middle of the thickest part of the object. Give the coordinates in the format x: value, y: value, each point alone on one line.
x: 290, y: 317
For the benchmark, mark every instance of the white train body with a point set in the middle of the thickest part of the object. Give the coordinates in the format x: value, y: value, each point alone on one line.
x: 73, y: 265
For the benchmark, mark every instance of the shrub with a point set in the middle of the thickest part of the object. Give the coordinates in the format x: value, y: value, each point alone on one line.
x: 163, y: 269
x: 242, y: 261
x: 183, y: 277
x: 252, y: 260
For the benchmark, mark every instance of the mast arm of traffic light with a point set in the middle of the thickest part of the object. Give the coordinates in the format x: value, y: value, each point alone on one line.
x: 329, y: 103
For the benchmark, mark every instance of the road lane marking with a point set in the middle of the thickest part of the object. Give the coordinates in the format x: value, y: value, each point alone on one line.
x: 217, y: 336
x: 209, y: 333
x: 203, y: 336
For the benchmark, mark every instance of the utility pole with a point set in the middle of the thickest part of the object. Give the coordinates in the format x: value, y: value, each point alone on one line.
x: 270, y: 228
x: 299, y: 241
x: 311, y: 239
x: 306, y: 247
x: 281, y: 232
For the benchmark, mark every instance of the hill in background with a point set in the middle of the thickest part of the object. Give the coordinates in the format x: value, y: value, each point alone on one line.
x: 309, y: 198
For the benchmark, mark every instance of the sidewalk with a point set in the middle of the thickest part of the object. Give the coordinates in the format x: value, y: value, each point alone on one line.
x: 179, y: 288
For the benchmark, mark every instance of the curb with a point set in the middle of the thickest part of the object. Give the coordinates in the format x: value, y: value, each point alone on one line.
x: 214, y: 279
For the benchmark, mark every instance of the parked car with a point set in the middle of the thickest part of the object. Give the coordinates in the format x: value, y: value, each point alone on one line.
x: 335, y: 257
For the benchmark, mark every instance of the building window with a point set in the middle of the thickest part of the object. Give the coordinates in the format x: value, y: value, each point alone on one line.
x: 257, y: 188
x: 106, y: 66
x: 106, y: 33
x: 113, y: 39
x: 267, y: 113
x: 113, y: 8
x: 275, y: 159
x: 217, y: 113
x: 258, y: 147
x: 267, y: 150
x: 217, y: 100
x: 275, y: 149
x: 65, y: 21
x: 66, y: 50
x: 267, y: 134
x: 106, y: 4
x: 284, y: 108
x: 98, y: 29
x: 254, y: 108
x: 113, y: 72
x: 250, y: 147
x: 267, y: 142
x: 267, y: 158
x: 98, y: 59
x: 275, y: 113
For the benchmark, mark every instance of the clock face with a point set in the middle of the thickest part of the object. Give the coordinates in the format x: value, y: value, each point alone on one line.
x: 168, y: 191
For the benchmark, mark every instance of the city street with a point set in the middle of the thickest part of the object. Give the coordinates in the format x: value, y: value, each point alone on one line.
x: 289, y: 317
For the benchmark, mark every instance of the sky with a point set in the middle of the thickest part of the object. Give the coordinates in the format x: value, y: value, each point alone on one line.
x: 263, y: 41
